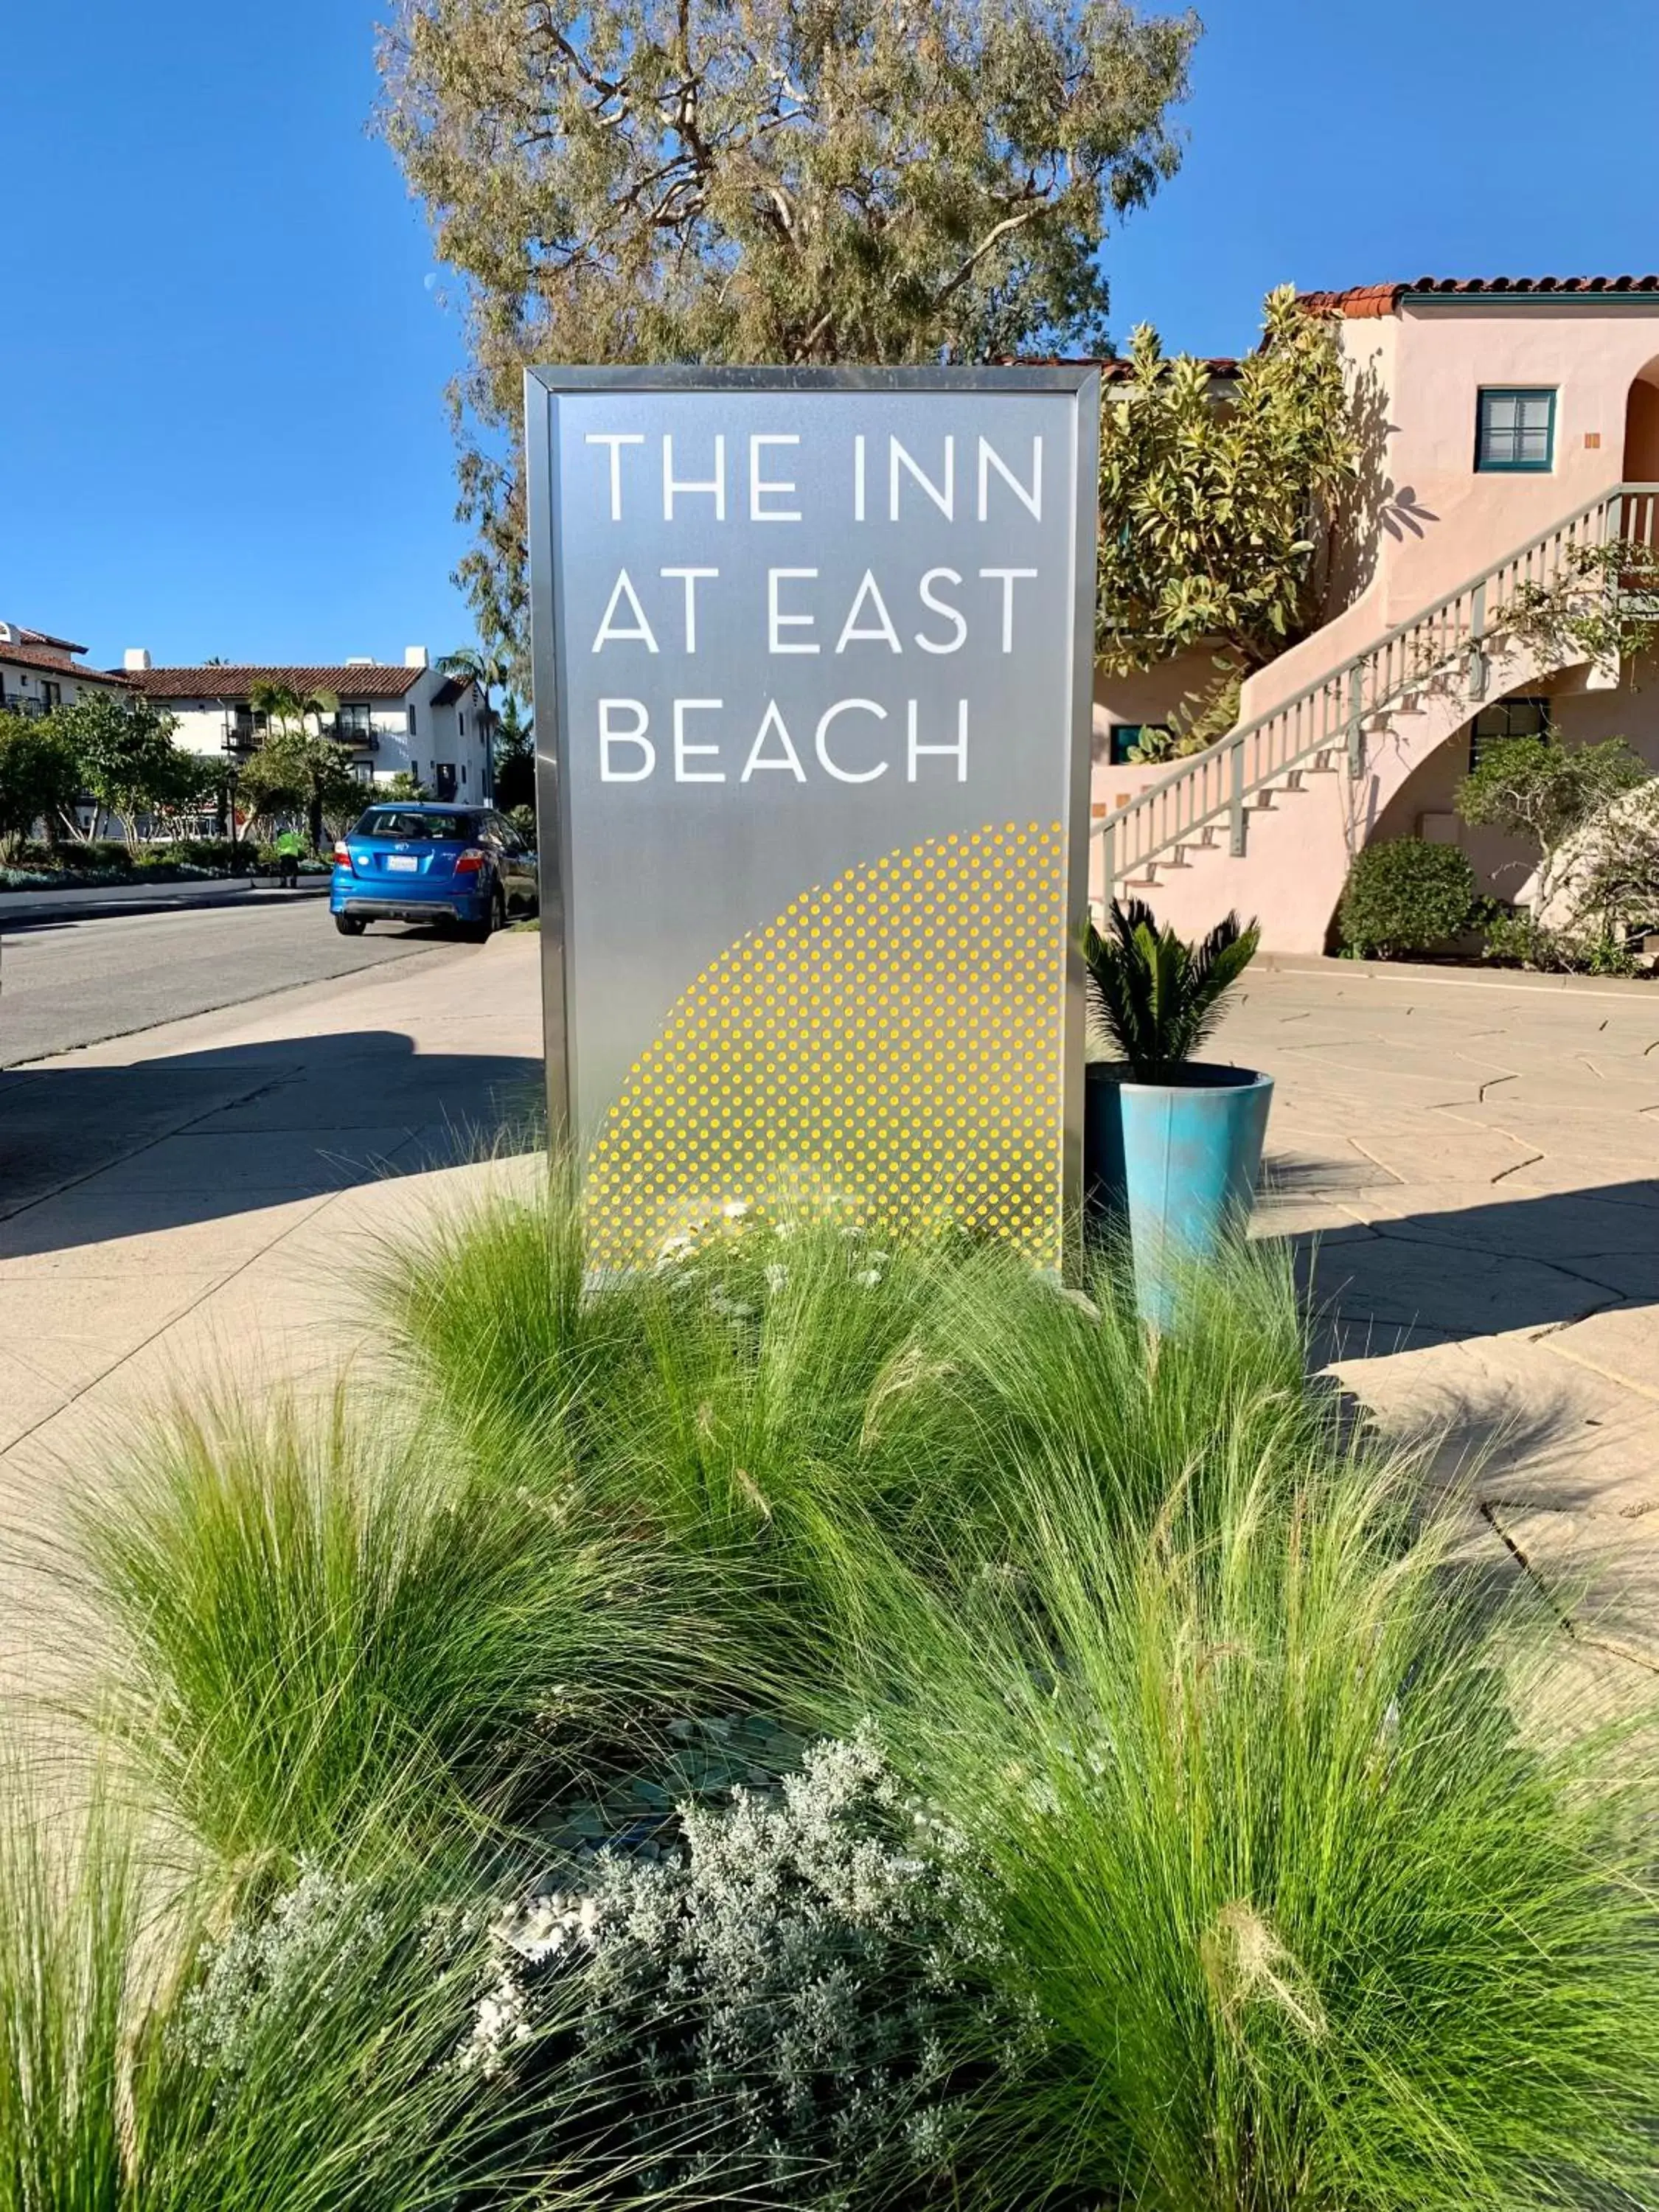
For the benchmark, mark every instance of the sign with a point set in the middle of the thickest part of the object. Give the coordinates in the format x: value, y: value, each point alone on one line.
x: 813, y: 658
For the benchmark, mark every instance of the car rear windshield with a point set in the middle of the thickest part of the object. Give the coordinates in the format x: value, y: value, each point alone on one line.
x: 407, y: 822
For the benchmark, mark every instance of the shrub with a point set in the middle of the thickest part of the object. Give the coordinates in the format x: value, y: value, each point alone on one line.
x: 1518, y: 939
x: 39, y: 776
x: 213, y: 852
x: 1601, y: 885
x: 1404, y: 895
x: 1533, y: 789
x: 793, y: 2012
x: 325, y: 1634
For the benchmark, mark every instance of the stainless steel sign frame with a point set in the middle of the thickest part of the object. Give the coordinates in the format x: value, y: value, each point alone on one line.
x: 813, y: 658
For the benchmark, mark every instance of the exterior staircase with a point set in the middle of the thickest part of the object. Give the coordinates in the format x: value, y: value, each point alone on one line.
x: 1267, y: 819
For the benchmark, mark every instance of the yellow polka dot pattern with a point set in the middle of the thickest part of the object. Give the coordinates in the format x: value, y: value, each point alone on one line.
x: 893, y: 1041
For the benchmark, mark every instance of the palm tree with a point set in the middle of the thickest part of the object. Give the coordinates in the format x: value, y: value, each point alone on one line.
x: 290, y: 712
x: 491, y: 671
x: 296, y: 721
x: 516, y: 755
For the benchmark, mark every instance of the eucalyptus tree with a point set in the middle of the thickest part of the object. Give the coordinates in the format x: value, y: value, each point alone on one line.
x: 793, y: 181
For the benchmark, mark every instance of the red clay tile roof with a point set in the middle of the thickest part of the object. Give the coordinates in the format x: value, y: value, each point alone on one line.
x: 53, y: 663
x: 375, y: 681
x: 44, y: 637
x: 1114, y: 371
x: 1364, y: 300
x: 1120, y: 371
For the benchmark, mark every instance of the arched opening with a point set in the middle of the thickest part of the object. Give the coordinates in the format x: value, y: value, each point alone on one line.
x: 1642, y: 428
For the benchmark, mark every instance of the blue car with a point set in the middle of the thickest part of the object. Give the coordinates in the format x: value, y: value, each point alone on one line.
x: 466, y: 867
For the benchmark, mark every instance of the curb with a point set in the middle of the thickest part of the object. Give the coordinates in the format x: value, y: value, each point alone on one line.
x: 1456, y: 979
x: 31, y: 909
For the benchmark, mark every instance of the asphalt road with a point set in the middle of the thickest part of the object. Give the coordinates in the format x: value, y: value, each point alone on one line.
x: 77, y: 983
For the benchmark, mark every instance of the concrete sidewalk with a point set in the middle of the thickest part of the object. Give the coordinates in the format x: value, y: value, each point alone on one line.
x: 219, y: 1181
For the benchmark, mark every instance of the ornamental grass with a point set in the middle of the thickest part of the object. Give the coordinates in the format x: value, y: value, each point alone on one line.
x: 148, y: 2066
x: 327, y: 1635
x: 1281, y: 1832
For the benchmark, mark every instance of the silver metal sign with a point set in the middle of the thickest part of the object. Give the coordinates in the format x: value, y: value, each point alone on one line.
x: 813, y: 655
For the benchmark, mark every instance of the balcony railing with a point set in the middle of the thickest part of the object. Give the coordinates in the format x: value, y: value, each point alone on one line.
x: 25, y: 705
x: 244, y: 737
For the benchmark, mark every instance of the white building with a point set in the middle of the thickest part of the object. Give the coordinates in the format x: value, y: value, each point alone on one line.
x: 411, y: 719
x: 39, y: 671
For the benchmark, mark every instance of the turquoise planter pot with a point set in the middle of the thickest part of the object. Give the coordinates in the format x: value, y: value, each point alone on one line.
x: 1176, y: 1165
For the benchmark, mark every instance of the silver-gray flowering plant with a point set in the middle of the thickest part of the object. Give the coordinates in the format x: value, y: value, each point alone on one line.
x: 797, y: 2007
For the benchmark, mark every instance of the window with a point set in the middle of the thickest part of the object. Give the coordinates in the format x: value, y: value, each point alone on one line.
x: 355, y: 723
x: 411, y: 721
x: 463, y: 772
x: 461, y: 720
x: 1514, y: 429
x: 51, y: 692
x: 1127, y: 735
x: 1508, y: 718
x: 409, y: 823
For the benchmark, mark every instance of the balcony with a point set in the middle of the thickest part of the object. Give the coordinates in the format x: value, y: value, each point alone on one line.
x: 26, y: 705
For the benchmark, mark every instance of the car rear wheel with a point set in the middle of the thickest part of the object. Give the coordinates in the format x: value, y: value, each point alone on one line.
x: 480, y: 932
x: 349, y: 925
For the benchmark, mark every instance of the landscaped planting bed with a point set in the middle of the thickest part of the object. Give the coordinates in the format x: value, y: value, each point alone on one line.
x: 829, y: 1720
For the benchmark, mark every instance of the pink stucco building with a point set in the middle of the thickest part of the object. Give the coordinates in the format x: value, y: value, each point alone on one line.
x: 1504, y: 416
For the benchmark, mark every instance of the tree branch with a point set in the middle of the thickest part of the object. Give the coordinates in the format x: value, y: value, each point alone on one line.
x: 991, y: 238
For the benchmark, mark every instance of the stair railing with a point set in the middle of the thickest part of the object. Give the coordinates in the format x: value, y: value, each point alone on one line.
x: 1329, y: 714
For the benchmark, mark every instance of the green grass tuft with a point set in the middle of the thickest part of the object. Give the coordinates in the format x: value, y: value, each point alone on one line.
x: 325, y: 1634
x: 1314, y: 1922
x: 118, y: 2093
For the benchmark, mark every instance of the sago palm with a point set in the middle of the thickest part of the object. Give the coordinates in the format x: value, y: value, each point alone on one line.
x: 1156, y: 996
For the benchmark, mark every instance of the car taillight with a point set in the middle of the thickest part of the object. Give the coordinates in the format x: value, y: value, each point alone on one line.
x: 342, y: 856
x: 472, y: 862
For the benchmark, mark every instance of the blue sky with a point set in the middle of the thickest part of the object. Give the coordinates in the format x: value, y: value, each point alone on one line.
x: 222, y: 356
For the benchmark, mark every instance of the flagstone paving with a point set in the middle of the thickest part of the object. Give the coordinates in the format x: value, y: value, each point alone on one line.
x: 1470, y: 1169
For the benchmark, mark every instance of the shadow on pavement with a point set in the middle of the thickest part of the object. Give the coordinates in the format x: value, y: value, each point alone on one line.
x: 1532, y: 1262
x: 91, y: 1154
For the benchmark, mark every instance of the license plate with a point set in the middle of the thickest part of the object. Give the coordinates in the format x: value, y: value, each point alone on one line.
x: 402, y: 864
